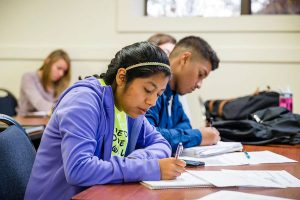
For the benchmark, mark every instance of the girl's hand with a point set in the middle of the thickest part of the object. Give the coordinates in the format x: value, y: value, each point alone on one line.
x: 170, y: 168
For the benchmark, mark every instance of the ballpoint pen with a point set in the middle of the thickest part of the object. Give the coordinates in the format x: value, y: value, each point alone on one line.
x: 179, y: 150
x: 247, y: 154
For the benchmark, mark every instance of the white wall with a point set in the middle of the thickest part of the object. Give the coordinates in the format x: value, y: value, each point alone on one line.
x: 255, y: 50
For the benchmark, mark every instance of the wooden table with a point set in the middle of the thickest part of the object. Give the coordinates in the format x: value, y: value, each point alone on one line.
x: 137, y: 191
x: 32, y: 121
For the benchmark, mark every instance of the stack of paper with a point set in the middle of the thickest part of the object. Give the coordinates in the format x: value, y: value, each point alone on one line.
x: 239, y: 178
x: 239, y: 158
x: 219, y: 148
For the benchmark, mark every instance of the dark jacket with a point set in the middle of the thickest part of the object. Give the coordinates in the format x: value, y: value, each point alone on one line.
x: 175, y: 127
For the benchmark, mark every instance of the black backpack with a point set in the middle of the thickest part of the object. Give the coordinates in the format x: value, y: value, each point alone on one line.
x: 270, y: 125
x: 240, y: 108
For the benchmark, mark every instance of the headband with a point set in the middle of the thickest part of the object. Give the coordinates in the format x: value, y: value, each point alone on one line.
x: 148, y: 64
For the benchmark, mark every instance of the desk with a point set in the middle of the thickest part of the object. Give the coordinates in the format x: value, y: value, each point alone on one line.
x: 138, y: 191
x: 32, y: 121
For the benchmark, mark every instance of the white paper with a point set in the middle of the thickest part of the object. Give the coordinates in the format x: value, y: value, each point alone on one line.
x: 228, y: 178
x: 239, y: 158
x: 186, y: 180
x: 240, y: 179
x: 32, y: 129
x: 281, y: 177
x: 232, y: 195
x: 258, y: 157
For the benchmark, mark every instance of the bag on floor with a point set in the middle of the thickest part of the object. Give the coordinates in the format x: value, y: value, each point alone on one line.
x: 270, y: 125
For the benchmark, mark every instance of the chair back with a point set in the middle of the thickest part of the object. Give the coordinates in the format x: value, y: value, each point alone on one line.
x: 8, y: 103
x: 17, y: 155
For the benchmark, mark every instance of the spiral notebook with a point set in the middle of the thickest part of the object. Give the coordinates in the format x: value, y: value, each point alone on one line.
x: 186, y: 180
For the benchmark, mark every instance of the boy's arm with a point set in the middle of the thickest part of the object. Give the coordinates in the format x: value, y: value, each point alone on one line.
x: 180, y: 132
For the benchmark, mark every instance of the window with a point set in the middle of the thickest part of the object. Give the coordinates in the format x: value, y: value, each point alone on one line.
x: 267, y: 7
x: 219, y: 8
x: 132, y: 18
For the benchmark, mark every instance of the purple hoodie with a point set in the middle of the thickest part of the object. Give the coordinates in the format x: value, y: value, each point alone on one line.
x: 75, y: 150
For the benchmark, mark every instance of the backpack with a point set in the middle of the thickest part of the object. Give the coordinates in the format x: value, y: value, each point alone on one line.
x: 270, y: 125
x: 242, y: 107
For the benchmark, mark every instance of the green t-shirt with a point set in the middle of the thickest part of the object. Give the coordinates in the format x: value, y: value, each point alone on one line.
x: 120, y: 138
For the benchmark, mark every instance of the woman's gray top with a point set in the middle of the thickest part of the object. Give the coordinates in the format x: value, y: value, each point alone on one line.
x: 33, y: 97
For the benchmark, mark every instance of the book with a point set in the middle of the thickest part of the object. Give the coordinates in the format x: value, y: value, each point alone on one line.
x: 186, y: 180
x: 219, y: 148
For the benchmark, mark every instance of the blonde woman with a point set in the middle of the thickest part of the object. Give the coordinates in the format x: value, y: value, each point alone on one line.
x: 40, y: 89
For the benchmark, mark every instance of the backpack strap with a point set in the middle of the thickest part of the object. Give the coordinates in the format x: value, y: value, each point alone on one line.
x: 221, y: 106
x: 211, y: 105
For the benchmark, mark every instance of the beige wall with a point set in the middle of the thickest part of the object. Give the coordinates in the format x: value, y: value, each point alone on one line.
x: 255, y: 50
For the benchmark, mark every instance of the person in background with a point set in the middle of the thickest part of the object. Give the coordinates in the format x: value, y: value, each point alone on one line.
x: 98, y: 133
x: 191, y: 61
x: 167, y: 43
x: 164, y: 41
x: 40, y: 89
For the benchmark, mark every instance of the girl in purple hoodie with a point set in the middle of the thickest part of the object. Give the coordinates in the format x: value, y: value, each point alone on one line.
x: 98, y: 134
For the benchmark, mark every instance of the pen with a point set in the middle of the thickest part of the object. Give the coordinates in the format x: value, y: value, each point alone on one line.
x: 247, y: 154
x: 179, y: 150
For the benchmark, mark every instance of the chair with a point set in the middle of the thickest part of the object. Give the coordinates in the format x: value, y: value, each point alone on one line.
x: 8, y: 103
x: 17, y: 155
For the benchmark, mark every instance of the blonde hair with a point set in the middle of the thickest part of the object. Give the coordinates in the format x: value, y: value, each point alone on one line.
x: 61, y: 84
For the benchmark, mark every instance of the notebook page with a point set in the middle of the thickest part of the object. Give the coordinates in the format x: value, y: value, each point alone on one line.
x: 186, y: 180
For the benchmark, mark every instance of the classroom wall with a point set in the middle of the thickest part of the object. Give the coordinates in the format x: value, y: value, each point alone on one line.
x: 255, y: 51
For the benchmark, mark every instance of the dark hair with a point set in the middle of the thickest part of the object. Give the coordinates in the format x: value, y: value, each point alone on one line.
x: 161, y: 38
x: 136, y: 53
x: 200, y: 47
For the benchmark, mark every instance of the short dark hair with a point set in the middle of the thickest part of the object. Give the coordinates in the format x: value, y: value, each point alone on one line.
x: 200, y: 47
x: 140, y: 52
x: 161, y: 38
